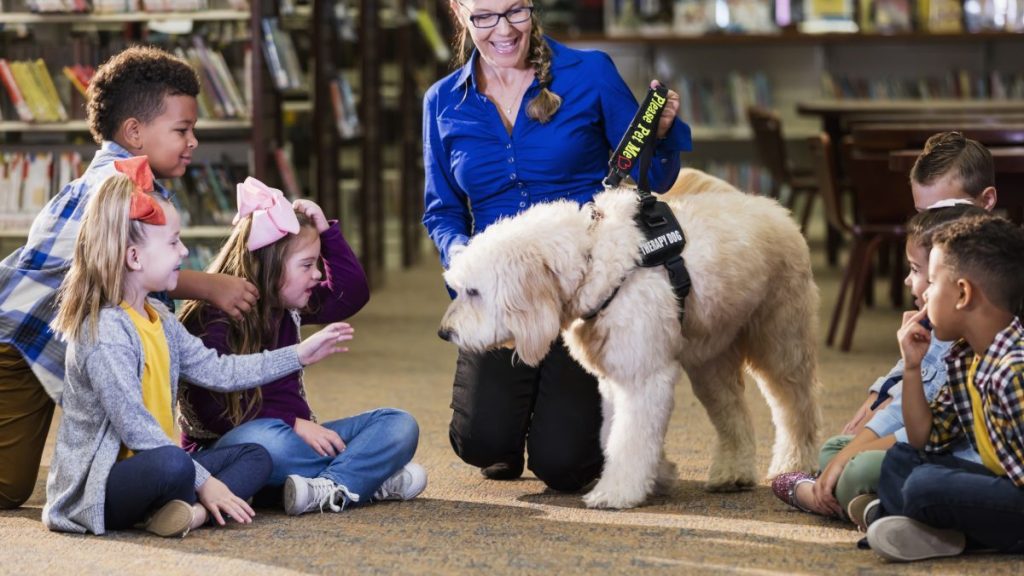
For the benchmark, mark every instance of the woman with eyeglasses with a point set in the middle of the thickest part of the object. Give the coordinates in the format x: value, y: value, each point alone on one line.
x: 525, y: 120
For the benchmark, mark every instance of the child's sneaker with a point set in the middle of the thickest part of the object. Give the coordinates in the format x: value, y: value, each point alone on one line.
x: 172, y: 520
x: 303, y: 495
x: 405, y: 484
x: 857, y: 510
x: 902, y: 539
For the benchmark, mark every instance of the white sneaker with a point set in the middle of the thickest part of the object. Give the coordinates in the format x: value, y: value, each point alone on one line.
x: 303, y: 495
x: 901, y: 539
x: 405, y: 484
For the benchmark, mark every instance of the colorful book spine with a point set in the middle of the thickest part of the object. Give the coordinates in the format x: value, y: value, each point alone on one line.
x: 15, y: 94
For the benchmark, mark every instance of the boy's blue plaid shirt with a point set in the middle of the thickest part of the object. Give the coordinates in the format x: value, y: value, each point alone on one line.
x: 30, y: 277
x: 1000, y: 382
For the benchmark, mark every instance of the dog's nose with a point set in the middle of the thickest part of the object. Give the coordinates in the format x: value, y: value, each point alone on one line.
x: 444, y: 334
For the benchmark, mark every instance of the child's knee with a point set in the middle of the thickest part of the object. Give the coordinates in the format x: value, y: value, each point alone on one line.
x: 178, y: 467
x: 405, y: 429
x: 258, y: 460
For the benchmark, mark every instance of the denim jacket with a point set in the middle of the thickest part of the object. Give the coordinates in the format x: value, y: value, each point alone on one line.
x: 889, y: 420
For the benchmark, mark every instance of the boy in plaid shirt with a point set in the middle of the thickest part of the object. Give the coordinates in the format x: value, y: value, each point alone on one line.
x: 141, y: 102
x: 941, y: 504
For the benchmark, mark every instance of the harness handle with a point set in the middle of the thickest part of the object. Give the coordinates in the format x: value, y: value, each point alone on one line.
x: 637, y: 144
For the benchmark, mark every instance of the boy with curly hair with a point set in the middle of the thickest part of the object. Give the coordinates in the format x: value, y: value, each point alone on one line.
x: 141, y: 102
x: 932, y: 503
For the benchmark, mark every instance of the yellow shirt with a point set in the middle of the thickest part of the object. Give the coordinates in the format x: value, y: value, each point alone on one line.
x: 156, y: 374
x: 985, y: 448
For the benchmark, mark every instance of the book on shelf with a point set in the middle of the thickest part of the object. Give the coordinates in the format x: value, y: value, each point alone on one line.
x: 346, y: 115
x: 281, y: 57
x: 693, y: 17
x: 31, y: 91
x: 286, y: 169
x: 943, y: 16
x: 721, y: 101
x: 828, y: 16
x: 30, y: 180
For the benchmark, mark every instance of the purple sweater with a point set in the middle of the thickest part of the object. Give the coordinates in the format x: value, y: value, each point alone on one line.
x: 342, y: 293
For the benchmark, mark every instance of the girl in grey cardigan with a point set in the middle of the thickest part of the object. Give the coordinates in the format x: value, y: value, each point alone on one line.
x: 115, y: 464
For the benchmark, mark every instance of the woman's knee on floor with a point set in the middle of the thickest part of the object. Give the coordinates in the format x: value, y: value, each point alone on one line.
x: 564, y: 472
x: 483, y: 447
x: 17, y: 491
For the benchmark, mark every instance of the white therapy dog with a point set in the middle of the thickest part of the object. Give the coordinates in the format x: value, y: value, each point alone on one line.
x: 753, y: 306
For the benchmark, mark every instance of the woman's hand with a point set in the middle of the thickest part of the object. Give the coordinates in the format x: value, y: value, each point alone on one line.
x: 220, y: 501
x: 324, y: 343
x: 668, y: 115
x: 314, y: 212
x: 323, y: 441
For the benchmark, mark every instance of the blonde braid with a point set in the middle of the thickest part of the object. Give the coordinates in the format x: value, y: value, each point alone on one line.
x: 546, y: 103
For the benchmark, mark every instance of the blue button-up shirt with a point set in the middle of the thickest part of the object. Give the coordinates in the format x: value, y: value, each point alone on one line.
x: 476, y: 172
x: 30, y: 277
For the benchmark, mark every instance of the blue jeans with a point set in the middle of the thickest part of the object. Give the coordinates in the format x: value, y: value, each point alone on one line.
x: 947, y: 492
x: 378, y: 443
x: 148, y: 480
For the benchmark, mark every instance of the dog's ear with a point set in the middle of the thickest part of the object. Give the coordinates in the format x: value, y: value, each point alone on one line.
x: 532, y: 311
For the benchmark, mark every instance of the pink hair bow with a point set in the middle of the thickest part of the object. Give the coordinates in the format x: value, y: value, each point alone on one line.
x: 273, y: 217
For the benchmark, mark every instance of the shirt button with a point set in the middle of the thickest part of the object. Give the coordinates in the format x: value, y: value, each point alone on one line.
x: 508, y: 146
x: 524, y: 193
x: 522, y: 204
x: 511, y: 159
x: 512, y: 176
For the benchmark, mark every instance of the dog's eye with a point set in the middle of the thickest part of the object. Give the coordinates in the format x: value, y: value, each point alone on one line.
x: 472, y: 292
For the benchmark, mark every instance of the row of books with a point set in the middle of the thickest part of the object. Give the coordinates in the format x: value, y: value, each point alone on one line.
x: 748, y: 177
x: 721, y: 100
x: 219, y: 96
x: 32, y: 92
x: 955, y: 84
x: 29, y: 180
x: 115, y: 6
x: 697, y: 17
x: 41, y: 90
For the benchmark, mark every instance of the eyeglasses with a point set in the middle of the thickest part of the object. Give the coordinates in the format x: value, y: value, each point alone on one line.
x: 513, y: 16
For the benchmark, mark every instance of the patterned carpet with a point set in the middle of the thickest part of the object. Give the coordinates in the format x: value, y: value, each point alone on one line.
x: 464, y: 524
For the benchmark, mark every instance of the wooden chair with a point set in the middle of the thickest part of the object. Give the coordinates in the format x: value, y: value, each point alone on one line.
x: 771, y: 151
x: 879, y: 221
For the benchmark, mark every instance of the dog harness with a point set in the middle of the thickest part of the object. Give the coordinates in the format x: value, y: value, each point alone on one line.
x: 663, y: 237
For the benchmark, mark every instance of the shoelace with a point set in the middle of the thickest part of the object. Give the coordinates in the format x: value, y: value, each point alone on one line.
x: 324, y: 494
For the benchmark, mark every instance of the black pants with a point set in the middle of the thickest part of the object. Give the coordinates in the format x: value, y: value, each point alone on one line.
x: 501, y: 406
x: 148, y: 480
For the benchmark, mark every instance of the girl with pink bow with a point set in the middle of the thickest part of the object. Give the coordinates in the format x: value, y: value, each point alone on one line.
x: 278, y: 246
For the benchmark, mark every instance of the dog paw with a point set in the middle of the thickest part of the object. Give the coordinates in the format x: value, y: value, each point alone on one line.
x: 601, y: 497
x: 730, y: 483
x: 667, y: 478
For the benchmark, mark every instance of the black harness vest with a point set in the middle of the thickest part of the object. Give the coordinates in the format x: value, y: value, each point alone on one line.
x: 663, y: 237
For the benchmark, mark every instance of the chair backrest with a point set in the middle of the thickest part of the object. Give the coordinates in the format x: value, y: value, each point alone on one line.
x: 823, y: 160
x: 882, y: 197
x: 769, y: 144
x: 915, y: 134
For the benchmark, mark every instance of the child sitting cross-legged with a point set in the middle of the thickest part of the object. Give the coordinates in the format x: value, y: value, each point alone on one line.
x: 932, y: 503
x: 850, y: 464
x: 115, y: 465
x: 277, y: 245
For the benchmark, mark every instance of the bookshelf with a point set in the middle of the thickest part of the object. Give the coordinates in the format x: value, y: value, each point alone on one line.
x: 797, y: 65
x: 240, y: 142
x: 372, y: 177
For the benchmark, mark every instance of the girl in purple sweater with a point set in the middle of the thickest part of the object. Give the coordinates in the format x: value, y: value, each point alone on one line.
x: 275, y: 245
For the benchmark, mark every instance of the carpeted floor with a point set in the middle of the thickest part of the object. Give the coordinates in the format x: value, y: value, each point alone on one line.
x: 464, y: 524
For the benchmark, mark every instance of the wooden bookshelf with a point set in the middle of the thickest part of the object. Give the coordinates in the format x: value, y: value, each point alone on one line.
x: 70, y: 126
x: 786, y: 38
x: 84, y: 18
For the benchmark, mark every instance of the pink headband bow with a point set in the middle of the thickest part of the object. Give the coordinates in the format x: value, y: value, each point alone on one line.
x: 273, y: 217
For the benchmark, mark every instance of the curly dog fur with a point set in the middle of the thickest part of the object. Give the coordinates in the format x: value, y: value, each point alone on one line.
x: 753, y: 307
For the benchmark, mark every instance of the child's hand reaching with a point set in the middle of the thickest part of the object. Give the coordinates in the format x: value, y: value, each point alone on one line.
x: 324, y: 441
x: 324, y: 343
x: 221, y: 502
x: 914, y: 339
x: 314, y: 212
x: 235, y: 296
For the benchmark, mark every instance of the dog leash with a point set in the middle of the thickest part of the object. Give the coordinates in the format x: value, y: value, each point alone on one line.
x: 663, y: 237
